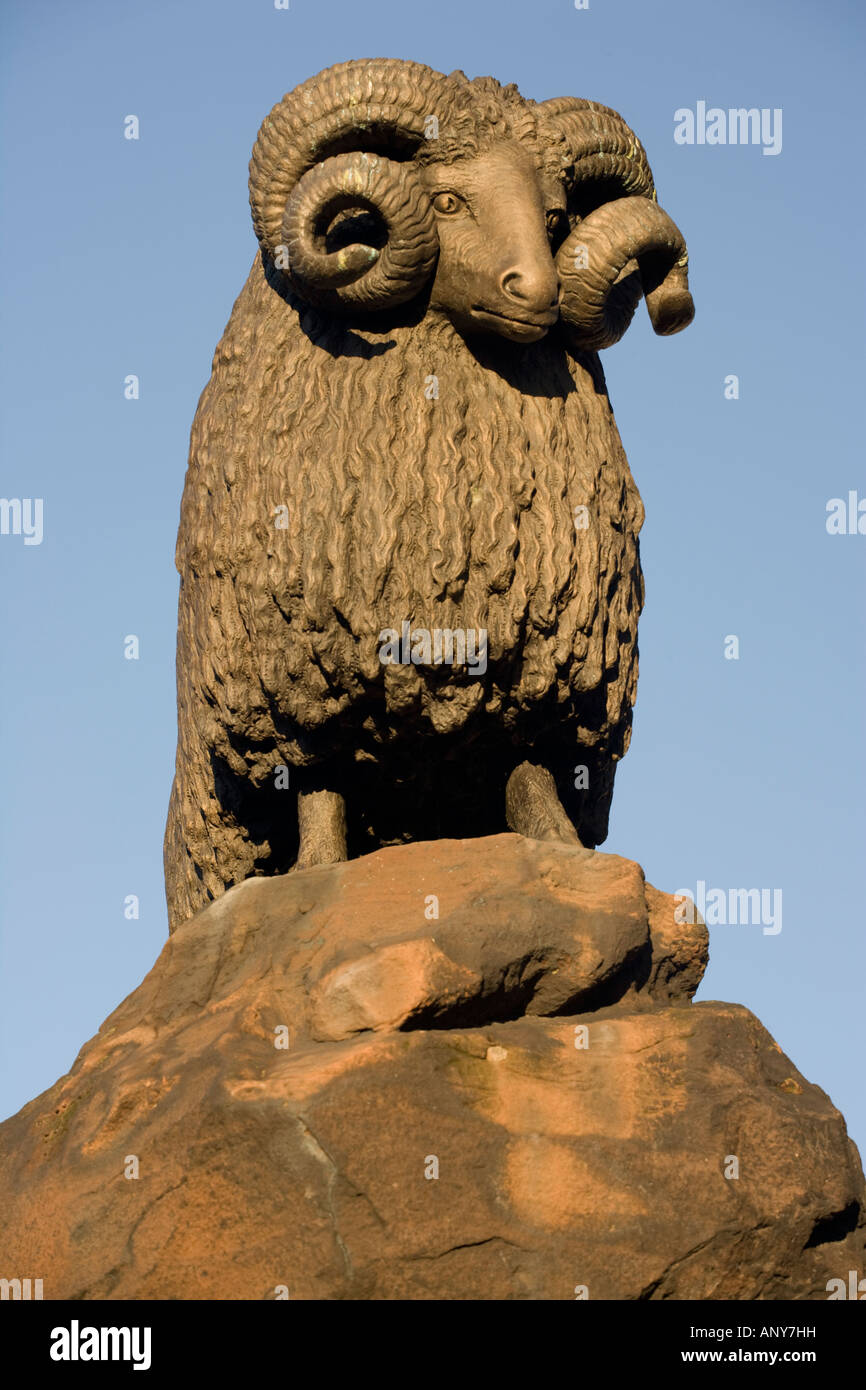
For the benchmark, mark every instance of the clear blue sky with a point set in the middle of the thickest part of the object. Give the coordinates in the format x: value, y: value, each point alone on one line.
x: 125, y: 257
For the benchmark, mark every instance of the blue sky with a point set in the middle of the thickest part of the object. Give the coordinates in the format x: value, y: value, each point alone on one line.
x: 126, y: 256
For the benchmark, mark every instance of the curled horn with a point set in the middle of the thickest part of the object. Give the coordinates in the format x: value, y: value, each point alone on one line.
x: 621, y: 250
x: 631, y: 246
x: 596, y: 148
x: 361, y: 275
x: 342, y: 143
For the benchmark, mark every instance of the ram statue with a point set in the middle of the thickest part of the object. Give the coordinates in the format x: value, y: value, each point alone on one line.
x: 408, y: 545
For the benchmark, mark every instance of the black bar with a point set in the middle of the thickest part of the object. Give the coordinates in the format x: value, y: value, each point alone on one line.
x: 218, y: 1339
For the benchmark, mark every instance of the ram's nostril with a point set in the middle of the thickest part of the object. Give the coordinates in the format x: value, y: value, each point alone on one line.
x: 510, y: 283
x: 534, y: 288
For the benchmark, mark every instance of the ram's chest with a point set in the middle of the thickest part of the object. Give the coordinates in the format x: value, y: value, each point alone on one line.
x: 341, y: 489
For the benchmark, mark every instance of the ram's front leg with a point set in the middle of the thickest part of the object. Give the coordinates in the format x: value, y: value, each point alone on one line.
x: 533, y: 807
x: 321, y: 828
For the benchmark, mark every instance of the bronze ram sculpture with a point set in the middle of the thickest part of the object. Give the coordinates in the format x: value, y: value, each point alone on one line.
x: 406, y: 438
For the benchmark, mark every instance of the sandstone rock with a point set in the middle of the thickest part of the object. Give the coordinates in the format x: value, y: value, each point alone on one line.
x: 508, y: 1101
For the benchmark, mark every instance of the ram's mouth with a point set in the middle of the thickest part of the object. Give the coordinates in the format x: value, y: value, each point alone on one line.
x: 527, y: 330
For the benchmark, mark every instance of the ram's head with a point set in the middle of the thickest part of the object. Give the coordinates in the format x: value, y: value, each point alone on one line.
x: 381, y: 180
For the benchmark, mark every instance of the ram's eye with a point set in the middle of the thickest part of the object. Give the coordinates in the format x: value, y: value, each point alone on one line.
x: 447, y: 202
x: 557, y: 222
